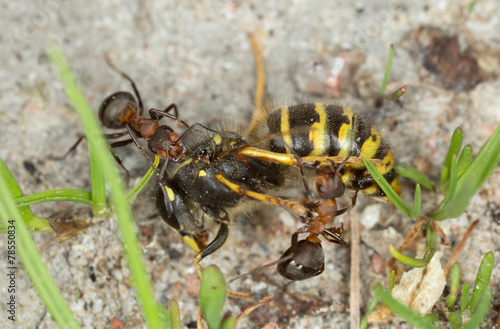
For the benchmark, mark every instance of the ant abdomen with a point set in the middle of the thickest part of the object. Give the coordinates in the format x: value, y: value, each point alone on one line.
x: 115, y: 109
x: 303, y: 260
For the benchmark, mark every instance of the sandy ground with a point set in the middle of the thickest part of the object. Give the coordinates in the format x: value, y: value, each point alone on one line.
x: 197, y: 54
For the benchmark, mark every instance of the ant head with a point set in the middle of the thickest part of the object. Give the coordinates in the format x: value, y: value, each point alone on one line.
x: 329, y: 184
x: 303, y: 260
x: 113, y: 108
x: 166, y: 144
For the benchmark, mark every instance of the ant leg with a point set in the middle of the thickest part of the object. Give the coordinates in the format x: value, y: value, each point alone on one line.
x: 156, y: 114
x: 353, y: 203
x: 78, y: 141
x: 116, y: 135
x: 170, y: 107
x: 120, y: 143
x: 124, y: 75
x: 334, y: 234
x: 140, y: 147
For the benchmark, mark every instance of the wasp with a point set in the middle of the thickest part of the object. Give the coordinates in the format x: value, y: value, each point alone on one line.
x: 224, y: 170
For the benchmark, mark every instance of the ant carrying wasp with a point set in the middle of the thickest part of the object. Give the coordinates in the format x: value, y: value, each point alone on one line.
x: 223, y: 172
x: 217, y: 172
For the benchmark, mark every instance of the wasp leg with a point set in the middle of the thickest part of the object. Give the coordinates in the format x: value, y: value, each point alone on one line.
x: 216, y: 243
x: 260, y: 111
x: 291, y: 160
x: 240, y: 190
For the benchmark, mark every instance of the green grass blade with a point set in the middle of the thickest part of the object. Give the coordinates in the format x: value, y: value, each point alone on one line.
x: 454, y: 283
x: 142, y: 183
x: 464, y: 302
x: 402, y: 310
x: 455, y: 146
x: 92, y: 130
x: 440, y: 213
x: 33, y: 222
x: 417, y: 203
x: 464, y: 159
x: 388, y: 190
x: 431, y: 244
x: 371, y: 308
x: 213, y: 292
x: 408, y: 171
x: 455, y: 320
x: 431, y: 317
x: 391, y: 280
x: 32, y: 262
x: 482, y: 279
x: 482, y: 310
x: 473, y: 178
x: 387, y: 70
x: 176, y: 314
x: 74, y: 195
x: 126, y: 224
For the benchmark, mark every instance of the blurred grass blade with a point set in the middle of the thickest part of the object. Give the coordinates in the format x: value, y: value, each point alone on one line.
x: 403, y: 311
x: 464, y: 160
x: 408, y: 171
x: 104, y: 162
x: 176, y: 315
x: 34, y: 223
x: 452, y: 180
x: 142, y: 183
x: 165, y: 317
x: 482, y: 279
x: 482, y: 310
x: 371, y: 308
x: 92, y: 130
x: 388, y: 190
x: 473, y: 178
x: 455, y: 320
x: 464, y: 302
x: 212, y: 296
x: 417, y: 203
x: 431, y: 317
x: 387, y: 70
x: 455, y: 146
x: 391, y: 280
x: 454, y: 284
x: 431, y: 243
x: 73, y: 195
x: 32, y: 262
x: 399, y: 92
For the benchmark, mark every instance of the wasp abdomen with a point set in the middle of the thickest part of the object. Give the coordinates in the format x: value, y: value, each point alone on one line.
x: 317, y: 129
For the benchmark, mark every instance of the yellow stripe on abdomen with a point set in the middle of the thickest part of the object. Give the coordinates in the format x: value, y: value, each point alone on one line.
x: 318, y: 133
x: 285, y: 128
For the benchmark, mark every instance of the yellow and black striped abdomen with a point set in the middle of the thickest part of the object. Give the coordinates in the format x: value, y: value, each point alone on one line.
x: 317, y: 129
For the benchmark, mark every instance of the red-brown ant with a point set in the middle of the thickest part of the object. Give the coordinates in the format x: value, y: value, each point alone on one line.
x: 305, y: 258
x: 121, y: 110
